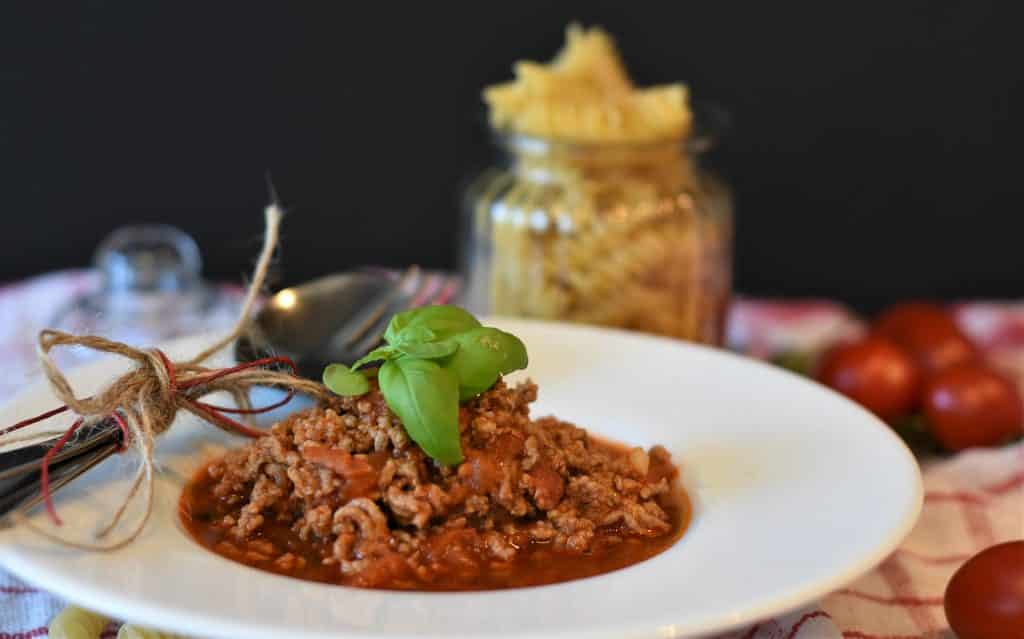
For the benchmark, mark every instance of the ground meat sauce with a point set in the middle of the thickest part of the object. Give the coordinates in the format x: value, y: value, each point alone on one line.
x: 340, y: 494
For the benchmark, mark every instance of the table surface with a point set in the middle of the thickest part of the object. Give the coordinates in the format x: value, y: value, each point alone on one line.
x: 972, y: 500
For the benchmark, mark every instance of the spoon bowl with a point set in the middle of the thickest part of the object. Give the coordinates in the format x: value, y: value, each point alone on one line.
x: 313, y: 324
x: 338, y: 318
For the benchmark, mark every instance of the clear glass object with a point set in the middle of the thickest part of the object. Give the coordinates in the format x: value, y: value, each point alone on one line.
x: 149, y: 288
x: 636, y: 236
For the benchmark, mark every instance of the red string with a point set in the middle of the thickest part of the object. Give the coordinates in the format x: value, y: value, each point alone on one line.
x: 249, y: 411
x: 44, y: 477
x: 171, y: 373
x: 216, y: 413
x: 226, y: 422
x: 125, y: 435
x: 209, y: 377
x: 32, y: 420
x: 212, y: 412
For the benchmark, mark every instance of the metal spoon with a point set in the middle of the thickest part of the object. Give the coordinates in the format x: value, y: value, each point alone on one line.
x: 338, y: 318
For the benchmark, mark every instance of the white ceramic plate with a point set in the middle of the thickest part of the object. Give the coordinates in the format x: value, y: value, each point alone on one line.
x: 797, y: 492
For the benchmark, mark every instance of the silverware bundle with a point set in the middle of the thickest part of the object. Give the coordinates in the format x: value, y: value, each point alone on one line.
x: 21, y: 468
x: 337, y: 318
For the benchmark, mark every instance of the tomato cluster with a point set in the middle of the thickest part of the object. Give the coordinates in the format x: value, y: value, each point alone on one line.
x: 916, y: 360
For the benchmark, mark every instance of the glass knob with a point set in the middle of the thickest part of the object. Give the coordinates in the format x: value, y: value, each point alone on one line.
x: 148, y: 259
x: 148, y: 287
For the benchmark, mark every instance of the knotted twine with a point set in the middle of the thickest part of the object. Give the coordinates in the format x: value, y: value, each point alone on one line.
x: 145, y: 401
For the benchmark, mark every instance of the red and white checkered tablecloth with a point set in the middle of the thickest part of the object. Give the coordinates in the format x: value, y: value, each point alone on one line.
x: 972, y: 500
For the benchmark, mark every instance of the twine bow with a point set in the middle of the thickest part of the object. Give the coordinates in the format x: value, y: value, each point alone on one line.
x: 145, y: 401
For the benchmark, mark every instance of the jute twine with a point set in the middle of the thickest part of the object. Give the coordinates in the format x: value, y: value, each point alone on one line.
x: 145, y: 401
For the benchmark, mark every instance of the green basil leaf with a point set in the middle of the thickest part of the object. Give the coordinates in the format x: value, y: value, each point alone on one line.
x: 418, y: 333
x: 345, y: 382
x: 484, y: 354
x: 428, y: 350
x: 426, y: 398
x: 378, y: 354
x: 443, y: 321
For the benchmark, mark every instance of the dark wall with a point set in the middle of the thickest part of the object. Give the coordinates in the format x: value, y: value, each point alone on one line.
x: 874, y: 153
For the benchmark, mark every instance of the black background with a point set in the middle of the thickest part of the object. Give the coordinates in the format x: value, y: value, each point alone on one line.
x: 874, y: 153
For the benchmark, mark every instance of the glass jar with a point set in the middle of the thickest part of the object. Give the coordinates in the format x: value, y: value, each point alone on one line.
x: 635, y: 236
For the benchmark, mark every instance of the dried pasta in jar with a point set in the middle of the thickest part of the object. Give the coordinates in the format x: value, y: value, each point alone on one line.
x: 602, y: 214
x: 585, y: 95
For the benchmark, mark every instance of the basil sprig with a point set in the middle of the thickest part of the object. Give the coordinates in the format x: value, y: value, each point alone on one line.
x: 344, y: 381
x: 426, y: 398
x: 483, y: 354
x: 434, y: 357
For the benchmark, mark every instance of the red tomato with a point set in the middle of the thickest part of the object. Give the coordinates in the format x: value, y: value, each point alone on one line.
x: 873, y: 372
x: 985, y: 598
x: 904, y: 317
x: 928, y: 332
x: 971, y: 405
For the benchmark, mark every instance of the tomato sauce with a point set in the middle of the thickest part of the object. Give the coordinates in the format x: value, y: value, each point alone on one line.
x: 458, y: 558
x: 535, y: 564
